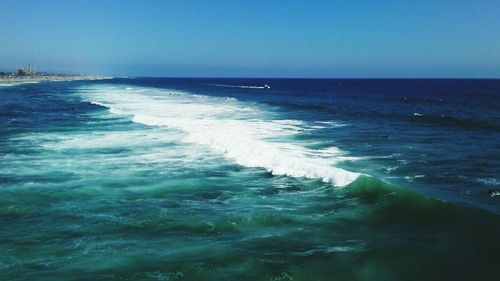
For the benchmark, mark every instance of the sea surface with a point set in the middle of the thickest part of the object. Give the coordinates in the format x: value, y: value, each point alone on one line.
x: 228, y: 179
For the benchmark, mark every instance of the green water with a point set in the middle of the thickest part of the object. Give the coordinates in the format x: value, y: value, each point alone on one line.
x: 90, y: 194
x: 204, y: 231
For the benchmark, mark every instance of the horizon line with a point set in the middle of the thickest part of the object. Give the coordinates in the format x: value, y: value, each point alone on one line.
x: 317, y: 78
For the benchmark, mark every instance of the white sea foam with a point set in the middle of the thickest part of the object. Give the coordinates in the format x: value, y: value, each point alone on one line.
x: 241, y: 86
x: 97, y: 103
x: 333, y: 124
x: 489, y: 181
x: 239, y: 131
x: 18, y: 83
x: 414, y: 177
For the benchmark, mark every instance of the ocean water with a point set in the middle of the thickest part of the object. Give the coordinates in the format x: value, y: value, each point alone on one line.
x: 225, y: 179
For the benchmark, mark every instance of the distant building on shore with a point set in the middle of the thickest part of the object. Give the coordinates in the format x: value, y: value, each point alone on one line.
x: 27, y: 71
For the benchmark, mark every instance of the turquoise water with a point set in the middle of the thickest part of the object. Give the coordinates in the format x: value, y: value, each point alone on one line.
x: 165, y: 179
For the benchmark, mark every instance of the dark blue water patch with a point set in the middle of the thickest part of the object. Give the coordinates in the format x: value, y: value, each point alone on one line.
x: 42, y: 107
x: 452, y: 121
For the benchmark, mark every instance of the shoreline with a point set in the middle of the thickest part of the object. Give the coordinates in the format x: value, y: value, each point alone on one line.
x: 15, y: 80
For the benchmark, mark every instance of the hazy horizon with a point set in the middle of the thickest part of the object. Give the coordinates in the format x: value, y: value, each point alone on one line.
x: 449, y: 39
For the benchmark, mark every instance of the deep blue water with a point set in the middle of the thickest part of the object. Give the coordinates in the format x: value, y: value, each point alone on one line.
x: 189, y: 179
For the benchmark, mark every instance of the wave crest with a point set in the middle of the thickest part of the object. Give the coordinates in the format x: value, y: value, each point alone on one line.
x: 236, y: 130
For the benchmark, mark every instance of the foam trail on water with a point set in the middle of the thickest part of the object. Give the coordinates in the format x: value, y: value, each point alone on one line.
x: 241, y: 86
x: 239, y: 131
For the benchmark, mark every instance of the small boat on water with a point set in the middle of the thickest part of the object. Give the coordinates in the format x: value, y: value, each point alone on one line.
x: 267, y: 87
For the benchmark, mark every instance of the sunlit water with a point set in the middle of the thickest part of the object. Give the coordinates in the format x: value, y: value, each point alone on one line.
x: 224, y: 179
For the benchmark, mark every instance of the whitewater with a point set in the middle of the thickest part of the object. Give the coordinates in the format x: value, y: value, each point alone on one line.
x: 241, y: 132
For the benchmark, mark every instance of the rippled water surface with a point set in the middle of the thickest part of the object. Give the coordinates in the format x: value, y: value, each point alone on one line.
x: 227, y: 179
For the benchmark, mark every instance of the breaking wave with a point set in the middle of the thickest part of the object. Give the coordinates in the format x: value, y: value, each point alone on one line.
x: 241, y: 132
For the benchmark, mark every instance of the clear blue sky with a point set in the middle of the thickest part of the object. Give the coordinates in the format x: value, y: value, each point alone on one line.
x: 454, y: 38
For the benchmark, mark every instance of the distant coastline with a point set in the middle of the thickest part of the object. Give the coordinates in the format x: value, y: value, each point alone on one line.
x: 30, y: 75
x: 14, y: 79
